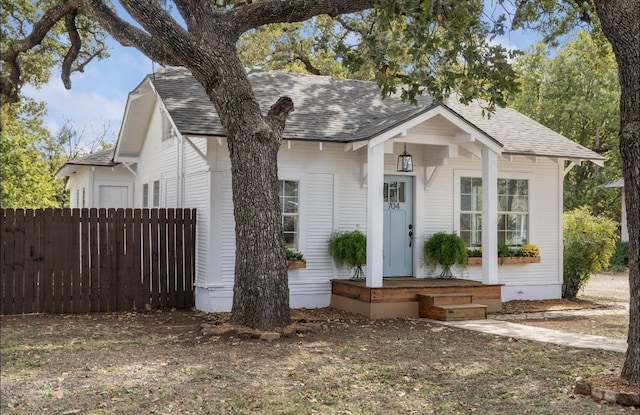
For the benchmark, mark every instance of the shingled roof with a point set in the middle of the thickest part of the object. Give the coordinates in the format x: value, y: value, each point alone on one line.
x: 98, y: 158
x: 341, y: 110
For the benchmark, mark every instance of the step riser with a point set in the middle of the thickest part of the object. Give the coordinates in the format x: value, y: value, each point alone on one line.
x: 440, y: 314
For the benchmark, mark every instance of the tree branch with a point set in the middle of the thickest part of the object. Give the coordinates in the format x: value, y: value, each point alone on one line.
x: 308, y: 65
x: 250, y: 16
x: 129, y: 35
x: 74, y: 50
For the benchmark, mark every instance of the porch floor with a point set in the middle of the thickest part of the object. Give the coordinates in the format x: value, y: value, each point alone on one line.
x: 398, y: 296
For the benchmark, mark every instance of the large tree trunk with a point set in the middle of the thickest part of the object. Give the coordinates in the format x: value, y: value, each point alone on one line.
x: 620, y: 20
x: 261, y: 291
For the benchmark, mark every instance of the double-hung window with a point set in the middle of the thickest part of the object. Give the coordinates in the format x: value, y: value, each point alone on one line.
x: 156, y: 193
x: 289, y: 209
x: 145, y: 195
x: 513, y: 211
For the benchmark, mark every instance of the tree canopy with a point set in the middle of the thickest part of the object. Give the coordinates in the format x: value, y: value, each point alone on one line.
x: 575, y: 92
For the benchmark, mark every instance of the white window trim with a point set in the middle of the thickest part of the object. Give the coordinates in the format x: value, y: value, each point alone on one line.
x: 517, y: 175
x: 294, y: 175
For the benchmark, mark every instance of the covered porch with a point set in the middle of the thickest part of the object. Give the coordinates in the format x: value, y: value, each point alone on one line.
x: 398, y: 297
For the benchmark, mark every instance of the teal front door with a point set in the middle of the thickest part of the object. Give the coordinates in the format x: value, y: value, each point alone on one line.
x: 398, y: 226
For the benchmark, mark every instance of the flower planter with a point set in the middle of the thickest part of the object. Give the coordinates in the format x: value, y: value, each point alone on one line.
x: 507, y: 260
x: 296, y: 264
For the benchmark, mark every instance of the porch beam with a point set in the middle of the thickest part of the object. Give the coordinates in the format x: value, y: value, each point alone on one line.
x: 375, y: 216
x: 489, y: 216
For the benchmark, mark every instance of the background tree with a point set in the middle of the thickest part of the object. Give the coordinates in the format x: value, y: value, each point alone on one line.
x: 575, y: 93
x: 25, y: 178
x: 445, y: 44
x: 619, y: 21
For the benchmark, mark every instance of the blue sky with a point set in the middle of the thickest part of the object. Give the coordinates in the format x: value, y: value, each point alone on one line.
x: 98, y: 96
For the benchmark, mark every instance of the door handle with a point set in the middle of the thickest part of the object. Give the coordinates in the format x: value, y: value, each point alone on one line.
x: 410, y: 235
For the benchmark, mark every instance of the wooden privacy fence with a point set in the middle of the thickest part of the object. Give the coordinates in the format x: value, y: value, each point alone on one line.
x: 91, y: 260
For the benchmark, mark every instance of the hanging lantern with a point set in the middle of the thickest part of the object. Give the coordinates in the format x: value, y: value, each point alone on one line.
x: 405, y: 161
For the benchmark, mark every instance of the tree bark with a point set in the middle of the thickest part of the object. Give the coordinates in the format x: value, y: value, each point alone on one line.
x: 261, y: 291
x: 620, y: 21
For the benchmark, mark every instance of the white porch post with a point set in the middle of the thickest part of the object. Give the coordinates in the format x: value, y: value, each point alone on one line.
x: 489, y: 216
x: 375, y: 217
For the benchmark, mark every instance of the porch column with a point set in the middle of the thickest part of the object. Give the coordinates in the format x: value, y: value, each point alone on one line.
x: 375, y: 217
x: 489, y: 216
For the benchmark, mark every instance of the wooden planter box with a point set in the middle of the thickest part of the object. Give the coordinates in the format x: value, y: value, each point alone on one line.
x: 508, y: 260
x: 296, y: 264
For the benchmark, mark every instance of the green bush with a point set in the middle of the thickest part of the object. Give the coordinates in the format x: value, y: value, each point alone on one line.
x: 620, y: 259
x: 446, y: 250
x: 349, y: 249
x: 589, y: 242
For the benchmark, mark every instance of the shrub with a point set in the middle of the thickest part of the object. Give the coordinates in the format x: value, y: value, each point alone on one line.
x: 445, y: 249
x: 350, y: 249
x: 620, y: 259
x: 589, y: 242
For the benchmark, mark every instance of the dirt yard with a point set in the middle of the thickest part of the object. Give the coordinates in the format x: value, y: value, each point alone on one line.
x: 606, y: 295
x: 172, y: 363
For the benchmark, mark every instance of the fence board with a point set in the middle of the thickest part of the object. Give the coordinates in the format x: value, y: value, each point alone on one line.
x: 79, y: 260
x: 8, y: 238
x: 162, y: 248
x: 85, y: 259
x: 94, y: 246
x: 180, y: 274
x: 19, y: 260
x: 146, y: 257
x: 46, y: 279
x: 189, y: 257
x: 29, y: 263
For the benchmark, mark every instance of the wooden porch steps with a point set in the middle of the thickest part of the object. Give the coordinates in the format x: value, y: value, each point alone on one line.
x: 449, y: 307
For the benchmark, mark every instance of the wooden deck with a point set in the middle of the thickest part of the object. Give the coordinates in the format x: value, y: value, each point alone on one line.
x: 398, y: 297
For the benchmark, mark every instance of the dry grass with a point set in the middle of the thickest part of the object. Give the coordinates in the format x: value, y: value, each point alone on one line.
x: 139, y: 363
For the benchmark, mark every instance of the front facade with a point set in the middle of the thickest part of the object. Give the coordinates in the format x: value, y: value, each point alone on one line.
x: 338, y: 171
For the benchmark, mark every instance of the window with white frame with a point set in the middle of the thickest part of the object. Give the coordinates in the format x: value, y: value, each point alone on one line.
x: 513, y: 211
x: 145, y: 195
x: 289, y: 208
x: 156, y: 193
x: 167, y: 127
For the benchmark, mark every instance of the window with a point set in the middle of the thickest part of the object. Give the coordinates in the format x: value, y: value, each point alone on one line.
x: 513, y: 211
x: 156, y: 193
x: 145, y: 195
x: 471, y: 210
x: 288, y: 192
x: 167, y: 128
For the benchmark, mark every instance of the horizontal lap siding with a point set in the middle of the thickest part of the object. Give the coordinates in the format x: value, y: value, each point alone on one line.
x: 227, y: 231
x: 197, y: 196
x: 319, y: 225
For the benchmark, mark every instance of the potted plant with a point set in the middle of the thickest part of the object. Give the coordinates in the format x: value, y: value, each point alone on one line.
x: 445, y: 250
x: 295, y: 259
x: 349, y: 249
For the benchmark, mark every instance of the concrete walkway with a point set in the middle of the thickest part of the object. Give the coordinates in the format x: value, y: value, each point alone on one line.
x: 520, y: 331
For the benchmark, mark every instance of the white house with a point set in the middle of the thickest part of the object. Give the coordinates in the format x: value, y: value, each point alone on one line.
x: 338, y: 171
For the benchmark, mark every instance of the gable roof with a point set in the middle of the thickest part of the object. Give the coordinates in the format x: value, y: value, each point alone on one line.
x: 342, y: 110
x: 98, y: 158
